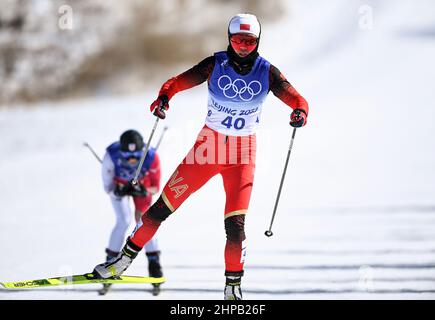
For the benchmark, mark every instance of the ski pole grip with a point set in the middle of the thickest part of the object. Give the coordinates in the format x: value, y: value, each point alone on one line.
x: 160, y: 112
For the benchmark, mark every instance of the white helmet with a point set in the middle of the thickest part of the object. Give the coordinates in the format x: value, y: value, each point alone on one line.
x: 244, y: 23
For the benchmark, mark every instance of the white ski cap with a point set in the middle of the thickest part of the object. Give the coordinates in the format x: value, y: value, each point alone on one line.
x: 244, y: 23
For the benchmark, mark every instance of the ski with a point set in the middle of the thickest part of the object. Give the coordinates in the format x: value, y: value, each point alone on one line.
x: 87, y: 278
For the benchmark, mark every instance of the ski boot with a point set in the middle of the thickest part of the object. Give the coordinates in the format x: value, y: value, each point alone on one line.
x: 106, y: 286
x: 116, y: 266
x: 155, y: 269
x: 232, y: 289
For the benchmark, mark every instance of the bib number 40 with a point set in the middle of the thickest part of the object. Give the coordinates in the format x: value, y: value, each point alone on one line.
x: 238, y: 124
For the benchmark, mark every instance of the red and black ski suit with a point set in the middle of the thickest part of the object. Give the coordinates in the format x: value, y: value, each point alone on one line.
x: 191, y: 175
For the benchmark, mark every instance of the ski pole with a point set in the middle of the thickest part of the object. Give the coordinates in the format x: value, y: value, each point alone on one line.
x: 161, y: 138
x: 269, y: 232
x: 93, y: 152
x: 142, y: 159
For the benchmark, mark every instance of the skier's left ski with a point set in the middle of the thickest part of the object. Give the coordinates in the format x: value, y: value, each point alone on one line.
x: 78, y: 279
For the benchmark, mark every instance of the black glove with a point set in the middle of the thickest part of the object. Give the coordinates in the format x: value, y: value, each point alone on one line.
x: 138, y: 190
x: 159, y: 106
x: 130, y: 189
x: 298, y: 118
x: 122, y: 190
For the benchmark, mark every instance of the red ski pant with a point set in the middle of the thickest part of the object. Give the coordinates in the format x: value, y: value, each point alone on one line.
x: 142, y: 203
x: 213, y: 153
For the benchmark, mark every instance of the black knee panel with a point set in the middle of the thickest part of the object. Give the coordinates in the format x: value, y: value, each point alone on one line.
x: 235, y: 228
x: 159, y: 211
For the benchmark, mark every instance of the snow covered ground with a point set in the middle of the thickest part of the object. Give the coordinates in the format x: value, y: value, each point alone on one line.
x: 357, y: 215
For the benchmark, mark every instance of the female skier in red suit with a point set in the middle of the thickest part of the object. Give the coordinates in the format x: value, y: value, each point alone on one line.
x: 239, y: 80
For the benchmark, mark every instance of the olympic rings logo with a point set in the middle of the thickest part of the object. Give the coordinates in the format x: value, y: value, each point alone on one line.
x: 246, y: 92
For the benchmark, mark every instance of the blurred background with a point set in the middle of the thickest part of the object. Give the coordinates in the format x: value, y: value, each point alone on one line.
x: 357, y: 215
x: 58, y: 49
